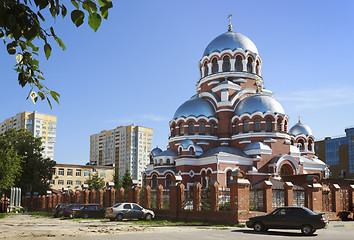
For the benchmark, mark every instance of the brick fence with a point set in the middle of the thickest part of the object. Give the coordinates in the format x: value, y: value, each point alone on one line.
x: 239, y: 200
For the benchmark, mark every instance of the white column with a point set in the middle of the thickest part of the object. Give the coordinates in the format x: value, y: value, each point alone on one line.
x: 203, y: 68
x: 232, y: 62
x: 253, y: 67
x: 259, y: 70
x: 220, y: 65
x: 209, y: 68
x: 244, y: 65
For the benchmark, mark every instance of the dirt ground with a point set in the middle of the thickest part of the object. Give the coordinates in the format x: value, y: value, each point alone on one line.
x: 25, y: 226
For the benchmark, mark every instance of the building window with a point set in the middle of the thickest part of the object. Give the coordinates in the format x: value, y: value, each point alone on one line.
x: 246, y: 126
x: 279, y: 125
x: 181, y: 129
x: 69, y: 182
x: 228, y: 178
x: 87, y: 173
x: 154, y: 181
x: 61, y: 172
x: 226, y: 64
x: 238, y: 64
x: 257, y: 125
x: 168, y: 180
x: 102, y: 175
x: 249, y: 65
x: 215, y: 65
x: 69, y: 172
x: 94, y: 169
x: 211, y: 129
x: 78, y: 172
x: 60, y: 182
x: 168, y: 161
x: 52, y: 182
x: 201, y: 128
x: 191, y: 128
x: 268, y: 125
x: 206, y: 69
x: 78, y: 183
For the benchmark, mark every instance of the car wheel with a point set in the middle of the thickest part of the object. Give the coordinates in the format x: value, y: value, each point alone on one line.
x: 307, y: 230
x: 111, y: 219
x: 120, y: 217
x: 258, y: 227
x: 85, y: 216
x: 148, y: 217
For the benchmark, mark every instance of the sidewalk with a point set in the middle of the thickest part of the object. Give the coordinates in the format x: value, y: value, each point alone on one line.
x: 333, y: 224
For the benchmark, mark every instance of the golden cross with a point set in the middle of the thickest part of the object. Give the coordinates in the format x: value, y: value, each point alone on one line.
x: 299, y: 118
x: 230, y: 26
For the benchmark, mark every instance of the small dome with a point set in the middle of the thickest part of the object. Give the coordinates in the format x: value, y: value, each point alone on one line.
x: 155, y: 151
x: 185, y: 144
x: 230, y: 40
x: 196, y: 107
x: 258, y: 103
x: 299, y: 129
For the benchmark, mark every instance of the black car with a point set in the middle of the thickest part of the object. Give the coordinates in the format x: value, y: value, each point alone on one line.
x: 289, y: 218
x: 58, y: 210
x: 67, y: 211
x: 88, y: 211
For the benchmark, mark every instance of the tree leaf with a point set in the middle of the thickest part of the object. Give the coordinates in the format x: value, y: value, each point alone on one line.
x: 11, y: 48
x: 64, y: 11
x: 19, y: 57
x: 89, y: 6
x: 76, y: 4
x: 41, y: 16
x: 1, y: 33
x: 94, y: 21
x: 47, y: 50
x: 105, y: 3
x: 104, y: 12
x: 77, y: 16
x: 41, y: 95
x: 60, y: 42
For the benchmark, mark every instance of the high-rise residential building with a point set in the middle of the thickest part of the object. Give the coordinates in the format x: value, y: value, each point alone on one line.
x: 125, y: 147
x: 338, y: 153
x: 40, y: 124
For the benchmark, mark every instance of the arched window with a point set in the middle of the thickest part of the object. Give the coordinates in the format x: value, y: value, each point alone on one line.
x: 168, y: 161
x: 285, y: 126
x: 309, y: 146
x: 301, y: 144
x: 226, y: 64
x: 238, y: 64
x: 257, y: 125
x: 215, y: 66
x: 249, y: 64
x: 228, y: 178
x: 246, y: 126
x: 173, y: 132
x: 154, y: 181
x: 237, y: 130
x: 191, y: 151
x: 206, y: 69
x: 191, y: 128
x: 279, y: 125
x: 257, y: 67
x: 161, y: 162
x: 168, y: 180
x: 201, y: 128
x: 268, y: 125
x: 212, y: 132
x: 181, y: 129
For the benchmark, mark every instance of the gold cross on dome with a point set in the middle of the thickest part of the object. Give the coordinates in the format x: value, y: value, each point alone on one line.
x: 230, y: 26
x: 299, y: 118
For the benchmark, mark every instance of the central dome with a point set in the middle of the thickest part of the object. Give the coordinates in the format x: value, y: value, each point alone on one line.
x: 258, y: 103
x: 230, y: 40
x: 196, y: 107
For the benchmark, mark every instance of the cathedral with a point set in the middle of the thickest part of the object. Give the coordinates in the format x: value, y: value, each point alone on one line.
x: 232, y: 123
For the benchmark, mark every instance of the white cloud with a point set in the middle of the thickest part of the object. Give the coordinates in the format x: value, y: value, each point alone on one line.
x: 318, y: 98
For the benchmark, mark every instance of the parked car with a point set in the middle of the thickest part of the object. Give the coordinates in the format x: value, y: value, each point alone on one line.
x: 67, y: 211
x: 88, y: 211
x: 122, y: 211
x: 289, y: 218
x: 58, y: 210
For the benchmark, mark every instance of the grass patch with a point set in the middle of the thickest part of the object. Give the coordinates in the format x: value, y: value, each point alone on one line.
x: 181, y: 223
x: 2, y: 215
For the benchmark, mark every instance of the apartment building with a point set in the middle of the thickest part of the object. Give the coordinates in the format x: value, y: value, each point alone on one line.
x: 73, y: 176
x: 40, y: 124
x: 338, y: 153
x: 125, y: 147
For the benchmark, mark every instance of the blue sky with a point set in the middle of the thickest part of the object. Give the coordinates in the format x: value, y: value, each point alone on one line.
x: 142, y: 64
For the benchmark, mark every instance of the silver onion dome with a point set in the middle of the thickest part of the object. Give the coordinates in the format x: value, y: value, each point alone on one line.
x: 196, y: 107
x: 155, y: 151
x: 258, y: 103
x: 299, y: 129
x: 230, y: 40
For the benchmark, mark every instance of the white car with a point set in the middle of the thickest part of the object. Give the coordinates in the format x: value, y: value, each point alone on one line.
x: 122, y: 211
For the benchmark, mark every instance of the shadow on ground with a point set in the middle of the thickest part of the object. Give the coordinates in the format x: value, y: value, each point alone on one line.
x: 273, y: 233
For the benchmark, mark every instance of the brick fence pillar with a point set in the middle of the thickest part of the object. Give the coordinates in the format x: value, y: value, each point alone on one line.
x: 317, y: 197
x: 197, y: 196
x: 288, y: 194
x: 60, y: 198
x: 130, y: 194
x: 49, y: 203
x: 72, y: 197
x: 147, y: 197
x: 55, y: 200
x: 335, y: 197
x: 351, y: 197
x: 214, y: 196
x: 110, y: 197
x: 121, y: 195
x: 100, y: 197
x: 77, y: 197
x: 267, y: 196
x: 43, y: 203
x: 93, y: 196
x: 176, y: 199
x: 159, y: 197
x: 136, y: 191
x: 239, y: 197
